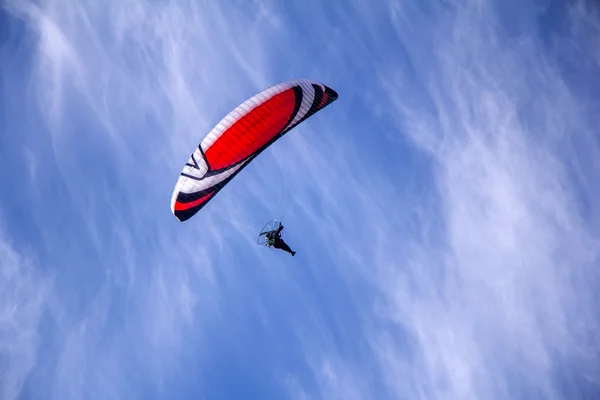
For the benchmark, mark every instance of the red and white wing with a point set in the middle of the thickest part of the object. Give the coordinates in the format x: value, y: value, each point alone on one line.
x: 241, y: 136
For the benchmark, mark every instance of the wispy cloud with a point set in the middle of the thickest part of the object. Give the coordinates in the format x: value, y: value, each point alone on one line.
x: 22, y: 306
x: 514, y: 306
x: 443, y: 208
x: 123, y: 90
x: 488, y: 276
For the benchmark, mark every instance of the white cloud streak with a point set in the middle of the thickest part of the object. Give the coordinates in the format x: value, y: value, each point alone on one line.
x: 515, y: 302
x: 489, y: 281
x: 124, y: 89
x: 22, y: 301
x: 463, y: 270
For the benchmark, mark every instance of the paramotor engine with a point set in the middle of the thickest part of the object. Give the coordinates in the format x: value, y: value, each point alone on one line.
x: 270, y: 226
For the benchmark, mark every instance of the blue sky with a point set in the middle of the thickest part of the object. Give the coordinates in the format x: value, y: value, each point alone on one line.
x: 444, y: 208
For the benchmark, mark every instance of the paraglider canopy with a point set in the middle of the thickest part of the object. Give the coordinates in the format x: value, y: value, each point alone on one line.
x: 241, y: 136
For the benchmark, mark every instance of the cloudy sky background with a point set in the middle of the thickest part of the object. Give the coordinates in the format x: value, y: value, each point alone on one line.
x: 444, y: 208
